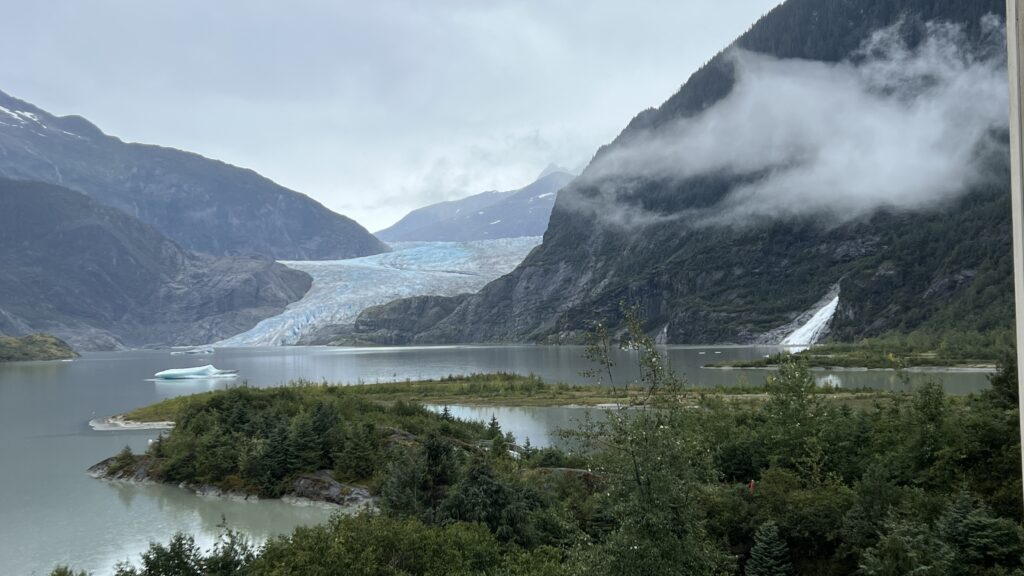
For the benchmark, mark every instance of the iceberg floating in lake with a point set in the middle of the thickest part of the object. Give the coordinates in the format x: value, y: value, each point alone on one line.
x: 208, y: 371
x: 192, y: 351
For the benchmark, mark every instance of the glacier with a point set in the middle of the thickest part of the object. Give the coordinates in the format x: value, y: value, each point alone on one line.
x: 343, y: 288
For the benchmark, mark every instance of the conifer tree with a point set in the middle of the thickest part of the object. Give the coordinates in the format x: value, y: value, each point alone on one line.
x: 494, y: 428
x: 770, y: 554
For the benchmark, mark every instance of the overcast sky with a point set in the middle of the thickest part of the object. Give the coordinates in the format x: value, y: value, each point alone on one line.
x: 372, y: 108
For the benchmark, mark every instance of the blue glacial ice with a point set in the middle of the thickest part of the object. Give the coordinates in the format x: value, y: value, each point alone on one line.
x: 344, y: 288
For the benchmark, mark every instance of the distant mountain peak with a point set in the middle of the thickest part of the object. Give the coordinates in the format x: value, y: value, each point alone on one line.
x: 485, y: 216
x: 552, y: 169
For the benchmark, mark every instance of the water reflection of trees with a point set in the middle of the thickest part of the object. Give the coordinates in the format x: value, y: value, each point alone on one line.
x: 180, y: 509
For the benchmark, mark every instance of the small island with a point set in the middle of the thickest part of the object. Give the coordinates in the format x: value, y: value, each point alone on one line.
x: 310, y: 441
x: 34, y: 347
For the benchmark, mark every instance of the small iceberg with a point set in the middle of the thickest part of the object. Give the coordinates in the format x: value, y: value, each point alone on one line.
x: 193, y: 351
x: 208, y: 371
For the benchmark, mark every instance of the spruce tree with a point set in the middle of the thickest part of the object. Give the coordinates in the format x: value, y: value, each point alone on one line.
x: 493, y: 427
x: 304, y: 443
x: 770, y: 554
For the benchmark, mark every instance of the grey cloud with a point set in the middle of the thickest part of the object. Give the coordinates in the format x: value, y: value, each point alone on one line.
x: 890, y: 127
x: 352, y: 102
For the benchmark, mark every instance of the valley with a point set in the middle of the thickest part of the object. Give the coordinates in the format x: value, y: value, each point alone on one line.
x: 765, y: 327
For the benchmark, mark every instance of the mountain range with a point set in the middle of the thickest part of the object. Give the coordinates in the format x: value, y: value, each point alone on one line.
x: 689, y: 217
x: 485, y: 216
x: 102, y: 279
x: 203, y: 205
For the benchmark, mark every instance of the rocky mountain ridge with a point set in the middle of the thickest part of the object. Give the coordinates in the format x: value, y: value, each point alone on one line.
x: 204, y: 205
x: 486, y: 216
x: 101, y: 279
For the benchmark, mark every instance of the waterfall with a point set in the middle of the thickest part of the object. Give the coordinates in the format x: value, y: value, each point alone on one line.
x: 813, y: 329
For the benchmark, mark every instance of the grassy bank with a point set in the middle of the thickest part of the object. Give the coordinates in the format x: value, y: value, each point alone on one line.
x: 475, y: 390
x: 34, y: 347
x: 501, y: 390
x: 867, y: 355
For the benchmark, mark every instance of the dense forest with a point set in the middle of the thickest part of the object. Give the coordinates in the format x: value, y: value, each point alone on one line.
x: 253, y: 440
x: 792, y: 483
x: 34, y: 347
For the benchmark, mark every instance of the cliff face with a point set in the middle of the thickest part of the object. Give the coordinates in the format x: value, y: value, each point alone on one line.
x: 203, y: 205
x: 100, y: 278
x: 947, y: 266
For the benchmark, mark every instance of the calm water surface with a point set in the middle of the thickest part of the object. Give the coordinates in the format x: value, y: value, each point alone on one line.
x: 52, y: 512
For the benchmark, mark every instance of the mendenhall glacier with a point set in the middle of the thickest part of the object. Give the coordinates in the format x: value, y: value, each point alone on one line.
x: 343, y: 288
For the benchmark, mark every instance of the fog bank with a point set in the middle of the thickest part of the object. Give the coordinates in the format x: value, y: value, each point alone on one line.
x: 890, y: 127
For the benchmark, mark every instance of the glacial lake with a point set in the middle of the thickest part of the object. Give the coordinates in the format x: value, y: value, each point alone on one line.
x: 53, y: 513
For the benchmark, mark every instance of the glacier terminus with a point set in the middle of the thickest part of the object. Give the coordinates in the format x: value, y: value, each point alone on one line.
x: 343, y: 288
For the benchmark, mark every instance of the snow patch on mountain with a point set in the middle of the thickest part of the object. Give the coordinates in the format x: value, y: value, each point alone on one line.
x: 344, y: 288
x: 11, y: 113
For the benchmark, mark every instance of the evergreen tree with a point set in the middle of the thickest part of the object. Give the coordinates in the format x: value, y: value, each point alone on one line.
x: 360, y: 453
x: 305, y: 442
x: 254, y: 464
x: 181, y: 557
x: 401, y: 493
x: 976, y: 538
x: 157, y: 448
x: 493, y: 427
x: 124, y: 462
x: 325, y: 423
x: 770, y: 555
x: 498, y: 447
x: 907, y: 547
x: 282, y: 459
x: 1004, y: 390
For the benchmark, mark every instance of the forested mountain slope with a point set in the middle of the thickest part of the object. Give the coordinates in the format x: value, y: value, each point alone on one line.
x: 852, y: 143
x: 100, y: 278
x: 204, y: 205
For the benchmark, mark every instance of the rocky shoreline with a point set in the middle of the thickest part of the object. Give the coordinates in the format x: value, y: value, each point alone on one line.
x: 318, y: 488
